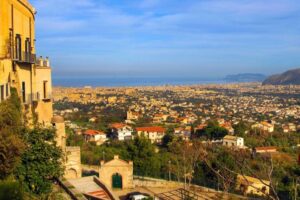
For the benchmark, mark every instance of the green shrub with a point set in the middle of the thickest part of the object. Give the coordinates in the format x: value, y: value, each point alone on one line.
x: 10, y: 190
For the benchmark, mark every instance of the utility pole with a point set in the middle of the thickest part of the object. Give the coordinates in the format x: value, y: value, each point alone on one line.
x: 218, y: 180
x: 296, y: 188
x: 103, y: 155
x: 169, y: 170
x: 184, y: 170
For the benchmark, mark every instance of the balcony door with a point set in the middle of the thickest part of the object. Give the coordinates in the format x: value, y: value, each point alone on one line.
x: 45, y: 89
x: 27, y: 49
x: 18, y: 47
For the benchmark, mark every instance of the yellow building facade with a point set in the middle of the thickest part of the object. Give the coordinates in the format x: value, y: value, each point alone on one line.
x: 30, y: 75
x: 19, y: 66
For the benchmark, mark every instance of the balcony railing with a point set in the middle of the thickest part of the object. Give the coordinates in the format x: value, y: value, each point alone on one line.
x: 36, y: 97
x: 25, y: 57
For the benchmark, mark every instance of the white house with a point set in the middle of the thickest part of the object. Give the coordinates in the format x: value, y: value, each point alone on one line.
x: 264, y: 126
x: 95, y: 136
x: 233, y: 141
x: 290, y: 127
x: 183, y: 132
x: 121, y: 131
x: 154, y: 133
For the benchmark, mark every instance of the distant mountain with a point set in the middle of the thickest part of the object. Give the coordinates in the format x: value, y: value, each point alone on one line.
x: 247, y: 77
x: 291, y: 77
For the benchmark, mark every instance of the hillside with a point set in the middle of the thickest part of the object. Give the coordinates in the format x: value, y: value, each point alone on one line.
x: 291, y: 77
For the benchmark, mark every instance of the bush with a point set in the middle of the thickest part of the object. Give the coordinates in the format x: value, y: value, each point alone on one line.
x: 11, y: 190
x: 41, y: 161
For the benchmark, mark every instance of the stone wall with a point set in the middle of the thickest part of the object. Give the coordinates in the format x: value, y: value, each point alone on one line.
x: 139, y: 181
x: 73, y: 163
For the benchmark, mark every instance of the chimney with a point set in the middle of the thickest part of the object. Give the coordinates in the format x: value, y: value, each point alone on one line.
x: 41, y: 61
x: 47, y: 62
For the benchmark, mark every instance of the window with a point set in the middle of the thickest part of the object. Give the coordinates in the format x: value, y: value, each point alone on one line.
x: 7, y: 90
x: 23, y: 92
x: 2, y: 92
x: 18, y: 47
x: 11, y: 42
x: 45, y: 89
x: 27, y: 49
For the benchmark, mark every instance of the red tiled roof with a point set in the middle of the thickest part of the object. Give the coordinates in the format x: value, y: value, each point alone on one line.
x: 265, y: 148
x: 117, y: 125
x: 93, y: 132
x: 201, y: 126
x: 151, y: 129
x: 100, y: 194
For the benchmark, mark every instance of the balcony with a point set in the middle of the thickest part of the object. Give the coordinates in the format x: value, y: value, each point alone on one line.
x: 47, y: 97
x: 25, y: 57
x: 36, y: 97
x: 30, y: 98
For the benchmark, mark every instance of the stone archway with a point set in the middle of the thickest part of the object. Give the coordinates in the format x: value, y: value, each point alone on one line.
x: 117, y: 181
x: 117, y: 173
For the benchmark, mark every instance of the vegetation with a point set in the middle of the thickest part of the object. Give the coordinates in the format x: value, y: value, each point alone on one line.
x: 41, y: 162
x: 11, y: 190
x: 212, y: 131
x: 11, y: 144
x: 212, y: 166
x: 29, y: 158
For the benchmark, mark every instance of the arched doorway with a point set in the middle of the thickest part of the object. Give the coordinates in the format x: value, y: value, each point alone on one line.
x: 117, y: 181
x: 71, y: 174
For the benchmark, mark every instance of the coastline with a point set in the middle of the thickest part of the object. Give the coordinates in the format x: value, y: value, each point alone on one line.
x: 132, y: 81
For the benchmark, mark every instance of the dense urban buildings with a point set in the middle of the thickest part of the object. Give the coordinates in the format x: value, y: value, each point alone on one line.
x: 262, y: 123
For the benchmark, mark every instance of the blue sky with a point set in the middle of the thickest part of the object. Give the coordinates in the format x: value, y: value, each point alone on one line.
x: 204, y: 38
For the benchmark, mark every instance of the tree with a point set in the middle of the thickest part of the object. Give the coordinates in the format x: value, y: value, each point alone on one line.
x: 11, y: 190
x: 142, y: 153
x: 212, y: 131
x: 186, y: 156
x: 11, y: 148
x: 168, y: 138
x: 41, y: 163
x: 240, y: 129
x: 11, y: 145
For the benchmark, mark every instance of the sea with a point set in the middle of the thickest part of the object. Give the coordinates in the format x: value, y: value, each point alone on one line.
x: 130, y: 81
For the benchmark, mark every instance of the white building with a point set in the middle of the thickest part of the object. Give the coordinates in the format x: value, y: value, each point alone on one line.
x: 121, y: 131
x: 153, y: 133
x: 233, y: 141
x: 264, y: 126
x: 95, y: 136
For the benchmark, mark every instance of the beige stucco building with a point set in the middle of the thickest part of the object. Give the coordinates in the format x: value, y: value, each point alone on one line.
x: 18, y: 63
x: 30, y: 76
x: 117, y: 173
